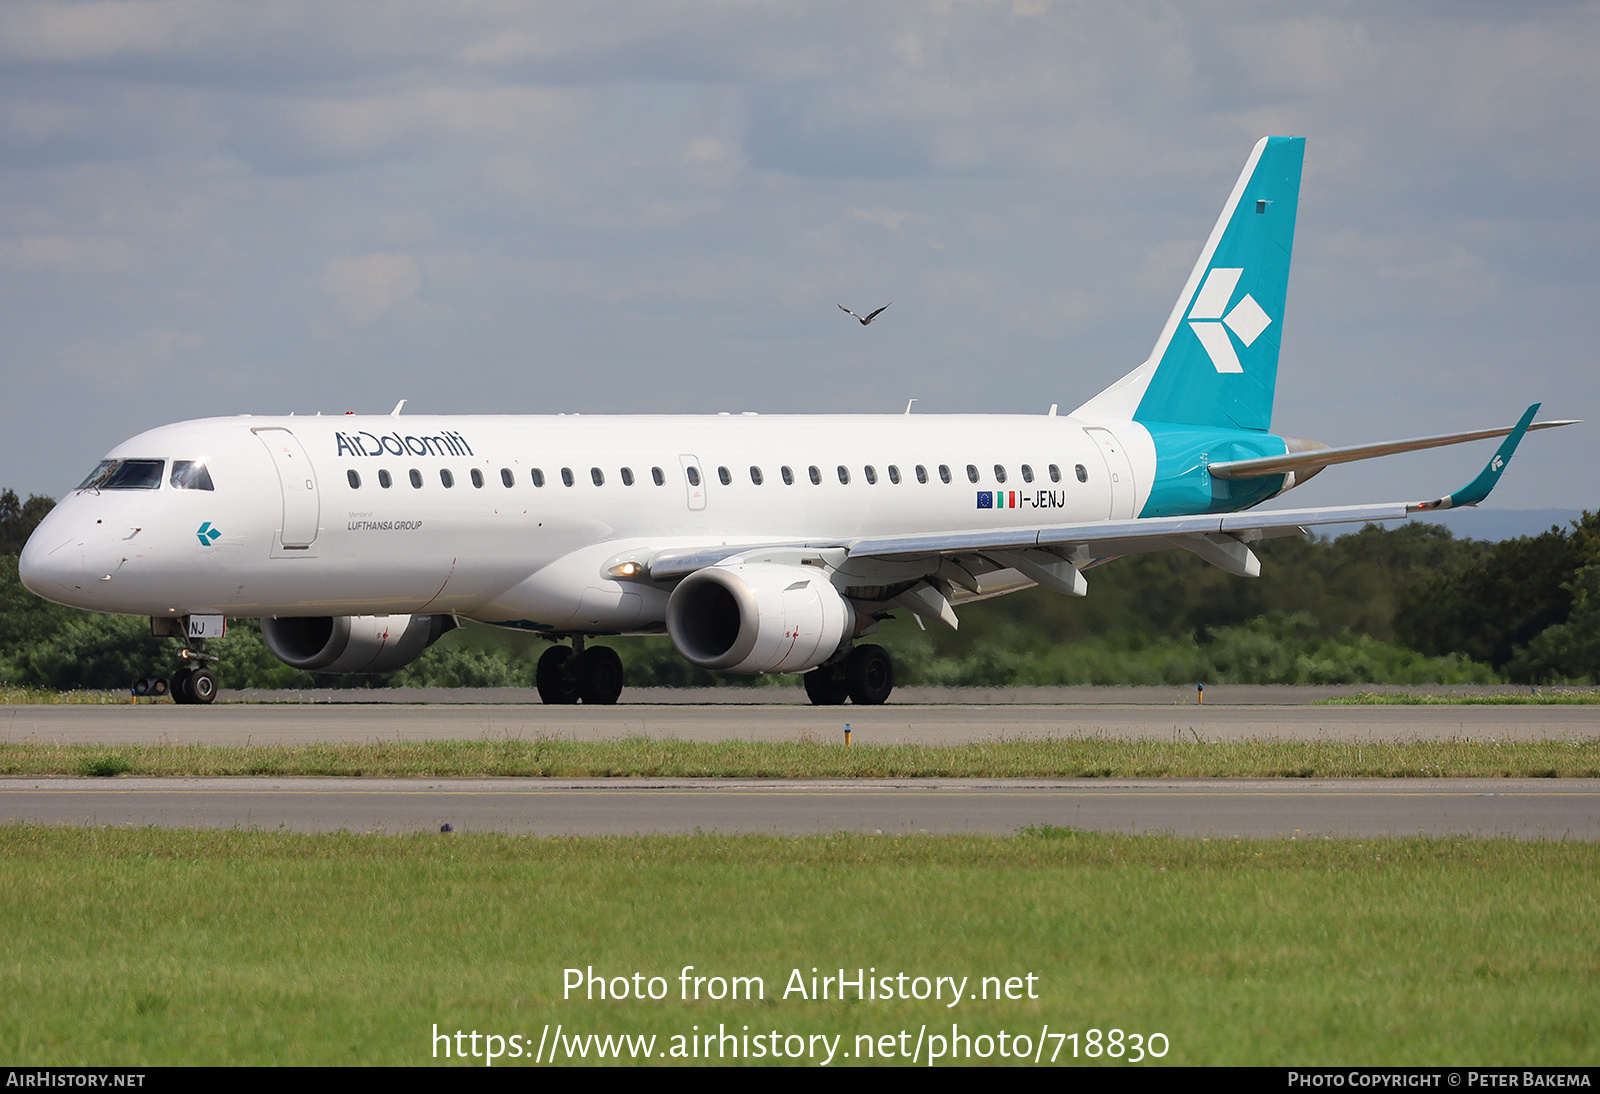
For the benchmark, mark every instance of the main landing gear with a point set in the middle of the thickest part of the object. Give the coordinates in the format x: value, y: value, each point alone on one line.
x: 865, y: 676
x: 568, y: 674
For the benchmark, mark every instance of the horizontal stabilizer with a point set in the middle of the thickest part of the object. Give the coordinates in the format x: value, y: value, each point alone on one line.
x: 1317, y: 459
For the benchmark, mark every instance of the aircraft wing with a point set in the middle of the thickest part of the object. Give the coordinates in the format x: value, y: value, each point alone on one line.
x: 1111, y: 537
x: 1053, y: 555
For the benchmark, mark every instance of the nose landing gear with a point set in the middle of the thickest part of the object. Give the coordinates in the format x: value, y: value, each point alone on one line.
x: 194, y: 682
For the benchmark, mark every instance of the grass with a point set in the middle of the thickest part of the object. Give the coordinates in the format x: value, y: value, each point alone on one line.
x: 1536, y: 697
x: 148, y: 947
x: 10, y: 695
x: 666, y: 758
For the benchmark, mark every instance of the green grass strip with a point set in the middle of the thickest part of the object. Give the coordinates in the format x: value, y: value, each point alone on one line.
x: 650, y: 757
x: 51, y: 697
x: 1539, y: 698
x: 147, y: 947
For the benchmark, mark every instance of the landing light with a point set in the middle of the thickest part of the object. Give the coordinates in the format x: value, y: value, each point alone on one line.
x: 626, y: 570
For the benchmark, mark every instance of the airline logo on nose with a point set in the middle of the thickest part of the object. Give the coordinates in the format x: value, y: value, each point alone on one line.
x: 1211, y: 326
x: 208, y: 535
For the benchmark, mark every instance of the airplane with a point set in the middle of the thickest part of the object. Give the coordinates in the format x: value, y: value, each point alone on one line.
x: 758, y: 543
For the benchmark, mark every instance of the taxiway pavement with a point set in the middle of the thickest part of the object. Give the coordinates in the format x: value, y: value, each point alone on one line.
x: 1215, y: 808
x: 283, y: 724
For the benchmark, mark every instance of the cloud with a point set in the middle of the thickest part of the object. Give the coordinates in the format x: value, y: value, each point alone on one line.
x: 94, y: 31
x: 888, y: 218
x: 125, y: 366
x: 63, y: 252
x: 346, y: 130
x: 370, y: 285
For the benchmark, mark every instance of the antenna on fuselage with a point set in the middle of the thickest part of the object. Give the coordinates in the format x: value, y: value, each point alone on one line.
x: 395, y: 413
x: 908, y: 405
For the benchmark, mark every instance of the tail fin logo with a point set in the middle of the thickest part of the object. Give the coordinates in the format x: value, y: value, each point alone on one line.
x: 1207, y: 320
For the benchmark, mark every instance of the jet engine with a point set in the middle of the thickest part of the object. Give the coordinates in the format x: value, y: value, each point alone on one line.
x: 758, y: 617
x: 353, y: 643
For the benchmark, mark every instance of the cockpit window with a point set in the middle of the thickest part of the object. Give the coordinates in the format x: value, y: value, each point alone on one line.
x: 190, y: 475
x: 97, y: 476
x: 125, y: 475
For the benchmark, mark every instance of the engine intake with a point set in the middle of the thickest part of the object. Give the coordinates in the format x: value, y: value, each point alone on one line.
x: 758, y: 617
x: 353, y: 643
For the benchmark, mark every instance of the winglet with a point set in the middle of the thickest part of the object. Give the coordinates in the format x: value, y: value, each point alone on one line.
x: 1478, y: 489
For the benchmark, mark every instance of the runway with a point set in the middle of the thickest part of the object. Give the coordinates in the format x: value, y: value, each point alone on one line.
x: 1218, y: 809
x: 285, y: 724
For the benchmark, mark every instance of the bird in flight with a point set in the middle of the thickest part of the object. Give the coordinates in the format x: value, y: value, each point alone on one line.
x: 870, y: 317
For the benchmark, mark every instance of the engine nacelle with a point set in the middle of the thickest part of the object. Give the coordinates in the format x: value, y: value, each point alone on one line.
x: 353, y: 643
x: 758, y: 617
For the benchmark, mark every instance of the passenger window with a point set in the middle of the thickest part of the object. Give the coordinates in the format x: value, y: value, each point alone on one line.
x: 192, y: 475
x: 999, y: 474
x: 725, y: 475
x: 944, y: 472
x: 755, y: 474
x: 844, y: 475
x: 972, y: 472
x: 446, y: 477
x: 597, y: 476
x: 355, y: 479
x: 538, y: 477
x: 1083, y: 473
x: 566, y: 476
x: 416, y: 479
x: 627, y: 476
x: 477, y: 478
x: 1055, y: 473
x: 384, y: 480
x: 816, y: 476
x: 894, y: 473
x: 872, y: 475
x: 788, y: 475
x: 657, y: 477
x: 922, y: 473
x: 694, y: 476
x: 1027, y: 473
x: 506, y: 478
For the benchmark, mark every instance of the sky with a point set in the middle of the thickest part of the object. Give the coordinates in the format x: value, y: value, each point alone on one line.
x: 212, y: 208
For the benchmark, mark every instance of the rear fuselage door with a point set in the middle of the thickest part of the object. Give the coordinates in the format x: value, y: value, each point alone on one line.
x: 1120, y: 471
x: 302, y: 509
x: 693, y: 481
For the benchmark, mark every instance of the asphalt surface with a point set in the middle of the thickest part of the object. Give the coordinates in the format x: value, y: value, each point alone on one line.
x: 1566, y: 809
x: 1539, y: 808
x: 283, y: 724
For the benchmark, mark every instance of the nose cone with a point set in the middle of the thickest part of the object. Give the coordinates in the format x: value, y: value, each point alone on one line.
x: 51, y: 564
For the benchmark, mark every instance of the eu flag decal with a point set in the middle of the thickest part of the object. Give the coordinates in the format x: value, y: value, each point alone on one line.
x: 985, y: 499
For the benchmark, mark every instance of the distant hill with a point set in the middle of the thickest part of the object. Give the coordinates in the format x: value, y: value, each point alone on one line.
x: 1497, y: 524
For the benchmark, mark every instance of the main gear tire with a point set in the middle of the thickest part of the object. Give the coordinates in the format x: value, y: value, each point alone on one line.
x: 869, y: 675
x: 555, y: 678
x: 826, y: 685
x: 600, y: 675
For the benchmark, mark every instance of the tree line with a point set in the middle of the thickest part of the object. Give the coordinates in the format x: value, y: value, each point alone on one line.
x: 1412, y: 604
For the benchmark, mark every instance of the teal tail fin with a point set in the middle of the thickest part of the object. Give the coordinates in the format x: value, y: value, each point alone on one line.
x: 1216, y: 362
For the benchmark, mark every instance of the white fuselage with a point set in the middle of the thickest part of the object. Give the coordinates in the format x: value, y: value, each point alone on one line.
x: 298, y: 522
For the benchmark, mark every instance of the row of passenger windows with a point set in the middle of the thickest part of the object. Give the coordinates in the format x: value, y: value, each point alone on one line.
x: 598, y: 477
